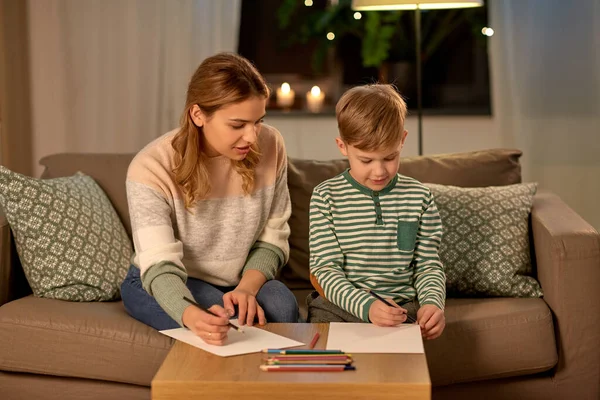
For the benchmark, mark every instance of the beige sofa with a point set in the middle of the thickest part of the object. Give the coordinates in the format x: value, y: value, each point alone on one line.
x: 492, y: 348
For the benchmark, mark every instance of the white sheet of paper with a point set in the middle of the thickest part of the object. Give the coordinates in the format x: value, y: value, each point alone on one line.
x: 252, y: 340
x: 369, y: 338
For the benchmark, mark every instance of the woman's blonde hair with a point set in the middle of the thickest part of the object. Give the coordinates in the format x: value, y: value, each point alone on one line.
x: 220, y: 80
x: 371, y: 117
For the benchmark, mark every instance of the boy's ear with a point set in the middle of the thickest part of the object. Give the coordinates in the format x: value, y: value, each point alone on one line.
x: 404, y: 135
x: 197, y: 116
x: 342, y: 146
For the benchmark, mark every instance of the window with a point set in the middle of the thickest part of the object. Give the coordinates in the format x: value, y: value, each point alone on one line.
x: 454, y: 51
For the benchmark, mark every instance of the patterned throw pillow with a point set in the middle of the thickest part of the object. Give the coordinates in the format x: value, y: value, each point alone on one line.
x: 485, y: 246
x: 70, y: 241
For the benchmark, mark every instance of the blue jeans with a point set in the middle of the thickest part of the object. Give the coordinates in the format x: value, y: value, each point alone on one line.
x: 277, y: 301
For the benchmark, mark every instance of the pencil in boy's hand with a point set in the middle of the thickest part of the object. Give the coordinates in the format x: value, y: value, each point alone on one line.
x: 192, y: 302
x: 378, y: 297
x: 314, y: 341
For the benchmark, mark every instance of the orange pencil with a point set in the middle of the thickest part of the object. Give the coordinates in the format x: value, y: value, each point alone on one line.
x: 314, y: 341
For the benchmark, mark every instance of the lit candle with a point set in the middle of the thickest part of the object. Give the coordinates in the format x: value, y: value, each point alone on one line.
x: 285, y: 96
x: 314, y: 99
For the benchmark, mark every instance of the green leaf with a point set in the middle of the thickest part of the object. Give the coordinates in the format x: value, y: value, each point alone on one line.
x: 319, y: 56
x: 285, y: 12
x: 377, y: 41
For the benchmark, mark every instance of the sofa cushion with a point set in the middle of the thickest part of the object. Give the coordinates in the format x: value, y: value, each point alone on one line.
x: 485, y: 247
x: 493, y: 167
x: 70, y: 241
x: 108, y: 170
x: 483, y: 339
x: 492, y: 338
x: 29, y: 386
x: 82, y: 340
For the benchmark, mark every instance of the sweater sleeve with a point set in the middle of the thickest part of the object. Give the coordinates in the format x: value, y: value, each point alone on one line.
x: 158, y: 253
x: 271, y: 250
x: 430, y: 279
x: 326, y: 262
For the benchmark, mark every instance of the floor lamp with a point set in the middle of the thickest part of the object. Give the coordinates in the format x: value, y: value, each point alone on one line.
x: 417, y: 5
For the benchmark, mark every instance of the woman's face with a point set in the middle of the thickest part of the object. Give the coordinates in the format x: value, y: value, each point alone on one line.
x: 232, y: 129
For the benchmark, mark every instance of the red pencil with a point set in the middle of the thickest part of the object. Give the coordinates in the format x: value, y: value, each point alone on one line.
x: 314, y: 341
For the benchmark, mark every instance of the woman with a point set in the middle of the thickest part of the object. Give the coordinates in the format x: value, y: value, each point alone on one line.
x: 209, y: 209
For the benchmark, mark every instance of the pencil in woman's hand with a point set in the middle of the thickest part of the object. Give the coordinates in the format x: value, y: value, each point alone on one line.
x: 192, y: 302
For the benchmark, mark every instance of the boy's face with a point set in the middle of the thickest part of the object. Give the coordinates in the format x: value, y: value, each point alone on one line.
x: 373, y: 169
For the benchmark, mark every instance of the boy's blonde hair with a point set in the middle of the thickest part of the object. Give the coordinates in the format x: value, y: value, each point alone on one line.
x: 371, y: 117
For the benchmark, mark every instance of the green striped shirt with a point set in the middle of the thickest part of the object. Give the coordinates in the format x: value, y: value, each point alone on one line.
x: 386, y: 241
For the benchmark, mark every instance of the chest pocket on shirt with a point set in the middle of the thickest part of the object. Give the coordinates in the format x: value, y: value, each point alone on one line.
x: 407, y: 235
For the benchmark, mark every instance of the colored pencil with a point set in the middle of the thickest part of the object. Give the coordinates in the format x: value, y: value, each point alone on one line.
x: 237, y: 328
x: 302, y: 351
x: 278, y: 361
x: 314, y: 341
x: 347, y: 361
x: 306, y: 368
x: 311, y: 356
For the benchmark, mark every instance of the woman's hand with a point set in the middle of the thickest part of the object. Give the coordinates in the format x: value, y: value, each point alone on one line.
x: 210, y: 328
x: 381, y: 314
x: 431, y: 320
x: 248, y: 307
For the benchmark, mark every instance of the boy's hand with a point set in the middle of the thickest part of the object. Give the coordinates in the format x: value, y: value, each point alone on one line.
x: 383, y: 315
x: 431, y: 320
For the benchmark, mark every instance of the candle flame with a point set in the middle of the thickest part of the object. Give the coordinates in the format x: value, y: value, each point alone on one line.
x: 285, y: 88
x: 315, y: 91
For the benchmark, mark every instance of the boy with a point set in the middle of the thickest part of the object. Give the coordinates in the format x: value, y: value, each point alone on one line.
x: 372, y: 229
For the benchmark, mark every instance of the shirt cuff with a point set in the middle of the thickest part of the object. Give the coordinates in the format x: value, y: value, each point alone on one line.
x: 263, y: 260
x: 366, y: 307
x: 439, y: 303
x: 166, y: 283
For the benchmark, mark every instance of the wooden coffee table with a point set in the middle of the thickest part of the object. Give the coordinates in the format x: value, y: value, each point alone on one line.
x: 191, y: 373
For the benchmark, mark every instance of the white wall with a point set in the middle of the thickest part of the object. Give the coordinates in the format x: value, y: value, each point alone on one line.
x: 312, y: 137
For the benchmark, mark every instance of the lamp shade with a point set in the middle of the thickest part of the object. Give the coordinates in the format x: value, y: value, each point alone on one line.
x: 380, y: 5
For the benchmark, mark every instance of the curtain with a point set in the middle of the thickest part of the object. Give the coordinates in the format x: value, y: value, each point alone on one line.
x: 545, y: 67
x: 111, y: 75
x: 15, y: 109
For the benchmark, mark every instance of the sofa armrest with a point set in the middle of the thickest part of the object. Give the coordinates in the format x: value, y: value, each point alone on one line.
x: 567, y: 251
